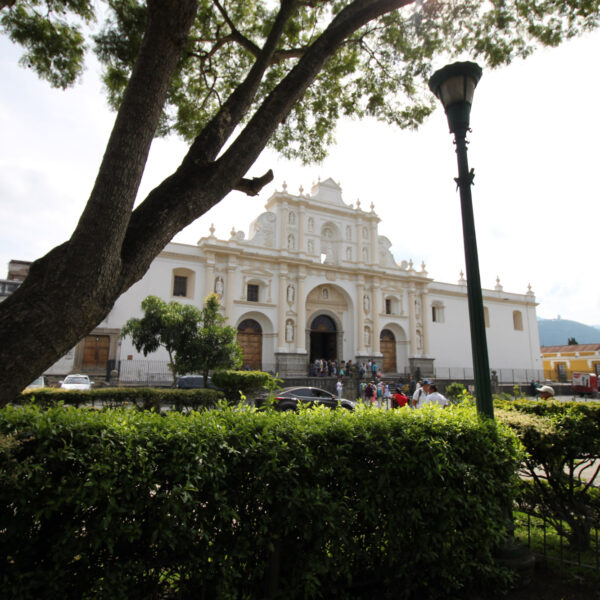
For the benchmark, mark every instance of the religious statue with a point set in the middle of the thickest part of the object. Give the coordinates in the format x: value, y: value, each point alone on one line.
x: 366, y: 303
x: 289, y: 331
x: 291, y: 292
x: 219, y: 286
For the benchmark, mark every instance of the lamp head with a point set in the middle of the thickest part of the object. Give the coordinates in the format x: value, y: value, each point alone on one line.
x: 455, y: 85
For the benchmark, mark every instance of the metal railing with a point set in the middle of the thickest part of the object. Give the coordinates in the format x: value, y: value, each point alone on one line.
x: 539, y: 532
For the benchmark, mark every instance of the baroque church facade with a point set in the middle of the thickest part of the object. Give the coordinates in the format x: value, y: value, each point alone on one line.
x: 314, y: 279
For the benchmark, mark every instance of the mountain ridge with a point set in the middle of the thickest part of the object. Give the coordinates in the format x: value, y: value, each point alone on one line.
x: 556, y: 332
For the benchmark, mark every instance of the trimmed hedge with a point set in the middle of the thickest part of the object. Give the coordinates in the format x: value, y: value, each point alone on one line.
x: 142, y: 398
x: 236, y: 503
x: 562, y: 443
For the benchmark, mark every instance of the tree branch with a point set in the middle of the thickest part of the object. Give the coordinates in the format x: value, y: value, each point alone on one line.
x: 237, y: 35
x: 253, y: 186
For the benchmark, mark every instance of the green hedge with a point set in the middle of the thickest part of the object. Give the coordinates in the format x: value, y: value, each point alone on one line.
x: 143, y: 398
x: 235, y: 503
x: 562, y: 443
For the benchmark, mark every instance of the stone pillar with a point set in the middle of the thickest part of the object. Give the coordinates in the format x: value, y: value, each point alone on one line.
x: 301, y: 218
x: 412, y: 321
x: 229, y: 289
x: 360, y: 325
x: 425, y: 313
x: 209, y: 280
x: 373, y: 235
x: 281, y: 309
x: 283, y: 226
x: 376, y: 308
x: 359, y: 246
x: 301, y: 311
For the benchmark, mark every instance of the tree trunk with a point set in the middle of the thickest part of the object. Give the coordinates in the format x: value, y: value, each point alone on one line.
x: 70, y: 290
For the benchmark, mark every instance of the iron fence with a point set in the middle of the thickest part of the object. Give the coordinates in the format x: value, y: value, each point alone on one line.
x: 541, y: 536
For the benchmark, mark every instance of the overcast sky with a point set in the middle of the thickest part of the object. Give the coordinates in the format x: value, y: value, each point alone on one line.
x: 534, y: 148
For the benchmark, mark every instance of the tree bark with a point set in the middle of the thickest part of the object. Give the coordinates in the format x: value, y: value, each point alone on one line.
x: 71, y: 289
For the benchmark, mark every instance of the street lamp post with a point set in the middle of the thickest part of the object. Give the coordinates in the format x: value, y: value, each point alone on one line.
x: 454, y: 85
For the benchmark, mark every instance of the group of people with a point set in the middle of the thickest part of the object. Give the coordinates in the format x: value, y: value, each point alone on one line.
x: 322, y: 367
x: 378, y: 393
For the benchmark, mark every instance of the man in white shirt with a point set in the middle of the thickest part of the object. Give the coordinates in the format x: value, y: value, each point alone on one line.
x: 419, y: 395
x: 433, y: 396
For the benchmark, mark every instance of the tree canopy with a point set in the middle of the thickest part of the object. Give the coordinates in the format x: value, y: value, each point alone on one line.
x: 231, y: 77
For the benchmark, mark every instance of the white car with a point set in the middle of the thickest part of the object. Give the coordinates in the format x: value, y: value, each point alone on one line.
x: 76, y: 382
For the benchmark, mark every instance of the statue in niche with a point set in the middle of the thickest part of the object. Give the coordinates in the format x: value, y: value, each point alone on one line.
x: 325, y: 294
x: 365, y: 233
x: 219, y: 286
x: 365, y: 255
x: 348, y: 233
x: 289, y: 331
x: 419, y: 340
x: 417, y: 308
x: 367, y: 337
x: 366, y: 303
x: 292, y: 218
x: 311, y: 247
x: 291, y: 293
x: 291, y: 242
x: 311, y: 223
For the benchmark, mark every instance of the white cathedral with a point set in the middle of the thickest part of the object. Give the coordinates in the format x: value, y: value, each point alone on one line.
x: 315, y: 280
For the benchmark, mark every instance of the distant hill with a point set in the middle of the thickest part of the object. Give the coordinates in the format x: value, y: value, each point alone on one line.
x: 556, y: 332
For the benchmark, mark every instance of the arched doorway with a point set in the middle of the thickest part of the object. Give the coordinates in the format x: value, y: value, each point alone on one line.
x: 323, y: 338
x: 387, y: 347
x: 249, y: 337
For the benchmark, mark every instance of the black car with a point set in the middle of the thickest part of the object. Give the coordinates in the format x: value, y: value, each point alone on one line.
x: 288, y: 398
x: 192, y: 382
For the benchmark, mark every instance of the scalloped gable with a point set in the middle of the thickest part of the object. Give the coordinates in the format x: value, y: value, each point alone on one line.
x: 327, y: 191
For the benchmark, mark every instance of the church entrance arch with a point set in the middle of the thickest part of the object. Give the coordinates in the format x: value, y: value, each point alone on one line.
x: 323, y: 338
x: 249, y: 337
x: 387, y: 347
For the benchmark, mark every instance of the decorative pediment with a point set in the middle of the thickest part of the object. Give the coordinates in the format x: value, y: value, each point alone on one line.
x: 327, y: 191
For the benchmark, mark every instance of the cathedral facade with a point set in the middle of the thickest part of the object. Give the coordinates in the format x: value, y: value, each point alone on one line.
x: 315, y: 280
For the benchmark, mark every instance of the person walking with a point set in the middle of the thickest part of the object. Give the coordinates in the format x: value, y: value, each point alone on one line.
x: 433, y: 396
x: 418, y: 396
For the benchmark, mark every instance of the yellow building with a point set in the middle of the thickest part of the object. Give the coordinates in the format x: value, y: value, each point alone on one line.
x: 560, y: 362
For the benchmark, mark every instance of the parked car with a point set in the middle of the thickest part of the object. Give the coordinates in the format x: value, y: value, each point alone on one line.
x: 191, y: 382
x: 76, y: 382
x: 288, y: 398
x: 38, y: 383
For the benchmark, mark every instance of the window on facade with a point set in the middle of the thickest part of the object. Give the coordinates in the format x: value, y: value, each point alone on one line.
x: 252, y: 295
x: 437, y: 313
x: 518, y: 320
x: 486, y: 316
x: 388, y: 306
x: 180, y: 285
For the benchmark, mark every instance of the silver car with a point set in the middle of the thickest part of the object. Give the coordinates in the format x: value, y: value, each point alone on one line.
x: 76, y: 382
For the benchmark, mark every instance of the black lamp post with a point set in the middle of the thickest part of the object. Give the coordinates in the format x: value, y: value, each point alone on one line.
x: 454, y: 85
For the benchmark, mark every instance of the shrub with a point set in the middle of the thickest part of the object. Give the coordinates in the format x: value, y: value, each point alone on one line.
x: 236, y: 503
x: 455, y: 391
x: 562, y: 440
x: 143, y: 398
x: 238, y: 384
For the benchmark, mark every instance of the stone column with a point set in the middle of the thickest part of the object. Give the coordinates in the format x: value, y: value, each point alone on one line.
x: 375, y: 307
x: 301, y: 311
x: 283, y: 226
x: 360, y: 314
x: 229, y: 289
x: 412, y: 321
x: 373, y: 251
x: 209, y: 277
x: 425, y: 312
x: 281, y: 309
x: 301, y: 218
x: 359, y: 247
